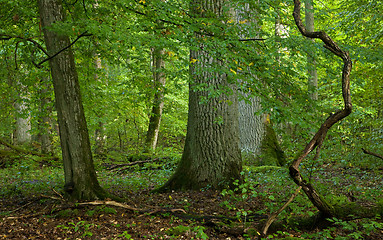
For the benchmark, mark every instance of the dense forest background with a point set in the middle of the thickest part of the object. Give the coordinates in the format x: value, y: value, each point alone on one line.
x: 137, y: 62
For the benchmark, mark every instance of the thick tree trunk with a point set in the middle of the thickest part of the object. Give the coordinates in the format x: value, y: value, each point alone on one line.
x: 251, y: 126
x: 211, y: 155
x: 80, y: 177
x: 258, y: 142
x: 158, y: 102
x: 311, y: 62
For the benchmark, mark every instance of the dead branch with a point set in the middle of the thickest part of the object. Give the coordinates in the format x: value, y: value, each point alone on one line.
x: 274, y: 216
x: 26, y: 216
x: 124, y: 166
x: 113, y: 203
x: 39, y: 46
x: 371, y: 153
x: 51, y: 197
x: 17, y: 209
x: 319, y: 137
x: 140, y: 210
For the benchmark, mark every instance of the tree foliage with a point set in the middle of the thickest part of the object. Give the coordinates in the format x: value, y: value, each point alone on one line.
x: 121, y: 33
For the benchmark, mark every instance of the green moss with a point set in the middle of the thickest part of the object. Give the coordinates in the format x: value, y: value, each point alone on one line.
x: 344, y: 209
x: 272, y: 153
x: 264, y: 169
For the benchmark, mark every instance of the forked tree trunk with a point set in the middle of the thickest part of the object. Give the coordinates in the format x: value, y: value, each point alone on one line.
x: 159, y: 79
x: 80, y: 177
x: 211, y: 155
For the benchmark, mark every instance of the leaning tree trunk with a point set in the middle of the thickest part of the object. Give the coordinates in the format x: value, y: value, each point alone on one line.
x: 317, y: 140
x: 80, y: 177
x: 211, y: 155
x: 158, y: 102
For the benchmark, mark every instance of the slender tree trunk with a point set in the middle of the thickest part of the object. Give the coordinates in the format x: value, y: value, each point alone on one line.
x: 80, y: 177
x: 99, y: 134
x: 311, y: 63
x: 211, y: 155
x: 158, y: 102
x: 23, y: 118
x: 45, y: 121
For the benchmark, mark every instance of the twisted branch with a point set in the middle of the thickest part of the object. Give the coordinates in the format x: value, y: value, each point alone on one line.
x: 318, y: 138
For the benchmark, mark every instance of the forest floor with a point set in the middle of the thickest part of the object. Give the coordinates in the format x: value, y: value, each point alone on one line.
x: 35, y: 213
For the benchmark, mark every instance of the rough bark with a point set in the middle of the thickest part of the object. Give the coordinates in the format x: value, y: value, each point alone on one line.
x: 317, y: 140
x: 80, y: 177
x: 311, y: 62
x: 251, y: 126
x: 159, y: 79
x: 258, y: 143
x: 211, y: 154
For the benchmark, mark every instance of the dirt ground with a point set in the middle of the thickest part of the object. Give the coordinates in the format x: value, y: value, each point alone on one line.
x: 45, y: 218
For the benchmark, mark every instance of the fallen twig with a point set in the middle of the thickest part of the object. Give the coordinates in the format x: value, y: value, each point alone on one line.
x: 17, y: 209
x: 113, y: 203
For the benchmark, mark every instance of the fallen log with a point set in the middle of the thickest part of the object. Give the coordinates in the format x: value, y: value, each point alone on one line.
x: 26, y: 151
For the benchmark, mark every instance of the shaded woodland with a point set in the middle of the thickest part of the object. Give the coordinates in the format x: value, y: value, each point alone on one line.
x: 191, y: 119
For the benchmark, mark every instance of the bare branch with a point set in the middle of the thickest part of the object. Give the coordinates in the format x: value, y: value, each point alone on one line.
x: 38, y: 45
x: 252, y: 39
x: 65, y: 48
x: 372, y: 154
x: 273, y: 216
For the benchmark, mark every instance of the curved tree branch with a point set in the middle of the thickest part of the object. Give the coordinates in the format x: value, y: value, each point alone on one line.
x: 65, y: 48
x: 318, y: 138
x: 39, y: 46
x: 372, y: 154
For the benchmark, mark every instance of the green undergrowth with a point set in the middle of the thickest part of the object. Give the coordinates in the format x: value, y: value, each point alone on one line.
x: 268, y: 186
